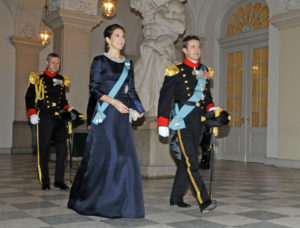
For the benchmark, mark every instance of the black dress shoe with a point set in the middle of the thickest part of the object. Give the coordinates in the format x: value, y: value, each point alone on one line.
x: 62, y: 186
x: 180, y: 204
x: 45, y: 187
x: 207, y: 207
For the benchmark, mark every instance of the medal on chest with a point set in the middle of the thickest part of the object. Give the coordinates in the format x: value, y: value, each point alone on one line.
x: 58, y: 82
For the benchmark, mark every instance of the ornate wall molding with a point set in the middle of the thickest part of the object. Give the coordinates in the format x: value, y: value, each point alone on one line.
x: 22, y: 42
x: 286, y: 20
x: 288, y: 5
x: 57, y: 18
x: 84, y: 6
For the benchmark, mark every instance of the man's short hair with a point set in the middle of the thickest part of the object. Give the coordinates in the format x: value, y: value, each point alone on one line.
x: 188, y: 38
x: 52, y: 55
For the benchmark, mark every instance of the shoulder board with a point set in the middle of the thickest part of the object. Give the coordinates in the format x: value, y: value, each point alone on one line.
x: 34, y: 77
x: 171, y: 70
x: 66, y: 81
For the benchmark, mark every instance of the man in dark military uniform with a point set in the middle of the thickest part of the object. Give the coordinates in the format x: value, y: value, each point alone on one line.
x: 45, y: 98
x: 188, y: 85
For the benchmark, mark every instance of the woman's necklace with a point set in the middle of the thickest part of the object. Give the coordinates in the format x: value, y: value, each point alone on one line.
x: 120, y: 60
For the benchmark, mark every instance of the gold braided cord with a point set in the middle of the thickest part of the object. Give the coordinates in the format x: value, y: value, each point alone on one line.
x: 39, y: 91
x: 38, y: 154
x: 70, y: 128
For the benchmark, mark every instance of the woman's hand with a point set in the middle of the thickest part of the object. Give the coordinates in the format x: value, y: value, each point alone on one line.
x: 141, y: 115
x: 120, y: 106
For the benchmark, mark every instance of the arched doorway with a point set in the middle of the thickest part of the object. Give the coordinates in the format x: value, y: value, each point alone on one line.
x: 244, y: 80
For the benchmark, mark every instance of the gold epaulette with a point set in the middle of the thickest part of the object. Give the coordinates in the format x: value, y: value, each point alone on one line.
x: 34, y: 77
x: 66, y: 81
x: 171, y: 70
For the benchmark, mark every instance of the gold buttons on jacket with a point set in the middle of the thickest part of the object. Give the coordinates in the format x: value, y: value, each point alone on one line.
x: 187, y: 88
x: 198, y: 104
x: 182, y: 69
x: 184, y: 75
x: 189, y: 94
x: 186, y: 81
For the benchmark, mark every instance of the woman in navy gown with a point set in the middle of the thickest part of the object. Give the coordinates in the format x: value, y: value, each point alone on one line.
x: 108, y: 181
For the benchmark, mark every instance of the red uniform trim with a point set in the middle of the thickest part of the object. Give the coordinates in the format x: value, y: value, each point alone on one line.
x: 209, y: 106
x: 162, y: 121
x: 66, y: 107
x: 190, y: 63
x: 31, y: 111
x: 50, y: 73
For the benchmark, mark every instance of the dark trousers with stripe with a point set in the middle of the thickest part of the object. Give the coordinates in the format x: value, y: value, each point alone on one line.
x: 188, y: 167
x: 52, y: 129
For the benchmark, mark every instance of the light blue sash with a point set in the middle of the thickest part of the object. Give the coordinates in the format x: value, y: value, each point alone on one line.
x: 179, y: 115
x: 100, y: 116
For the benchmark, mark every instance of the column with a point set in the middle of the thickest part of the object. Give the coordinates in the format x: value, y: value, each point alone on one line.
x: 71, y: 40
x: 288, y: 141
x: 27, y: 60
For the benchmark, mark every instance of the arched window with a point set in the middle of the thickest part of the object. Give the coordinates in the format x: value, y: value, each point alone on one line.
x: 247, y: 18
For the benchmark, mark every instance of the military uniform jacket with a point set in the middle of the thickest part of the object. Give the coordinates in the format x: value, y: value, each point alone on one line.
x: 46, y: 94
x: 178, y: 86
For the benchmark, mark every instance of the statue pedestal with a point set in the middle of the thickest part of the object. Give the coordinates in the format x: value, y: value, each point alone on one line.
x: 153, y: 151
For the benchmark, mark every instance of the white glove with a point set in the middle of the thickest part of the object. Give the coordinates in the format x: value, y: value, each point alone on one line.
x: 133, y: 115
x: 163, y: 131
x: 214, y: 108
x: 34, y: 119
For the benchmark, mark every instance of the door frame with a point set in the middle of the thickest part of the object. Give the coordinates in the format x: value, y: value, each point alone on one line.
x: 230, y: 42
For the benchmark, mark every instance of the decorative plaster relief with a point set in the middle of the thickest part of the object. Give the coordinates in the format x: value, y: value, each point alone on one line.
x: 29, y: 31
x: 287, y: 5
x: 84, y: 6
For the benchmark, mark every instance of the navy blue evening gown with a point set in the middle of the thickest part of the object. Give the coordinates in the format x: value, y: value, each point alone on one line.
x: 108, y: 181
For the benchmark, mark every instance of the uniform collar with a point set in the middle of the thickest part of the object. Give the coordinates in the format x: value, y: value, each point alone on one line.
x: 190, y: 63
x: 47, y: 72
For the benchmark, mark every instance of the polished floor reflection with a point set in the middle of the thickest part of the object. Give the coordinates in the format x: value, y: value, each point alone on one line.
x: 248, y: 195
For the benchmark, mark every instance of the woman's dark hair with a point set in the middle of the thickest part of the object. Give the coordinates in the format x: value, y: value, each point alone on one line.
x: 109, y: 31
x: 188, y: 38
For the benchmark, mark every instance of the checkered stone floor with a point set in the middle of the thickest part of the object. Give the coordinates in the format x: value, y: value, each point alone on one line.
x: 249, y: 196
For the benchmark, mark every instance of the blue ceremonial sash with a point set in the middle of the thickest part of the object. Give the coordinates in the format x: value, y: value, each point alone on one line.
x: 100, y: 116
x: 179, y: 114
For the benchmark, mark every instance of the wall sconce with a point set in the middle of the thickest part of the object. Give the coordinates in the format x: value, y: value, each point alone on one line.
x: 45, y: 34
x: 109, y: 8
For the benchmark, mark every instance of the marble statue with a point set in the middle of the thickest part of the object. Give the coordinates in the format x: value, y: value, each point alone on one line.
x: 163, y: 21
